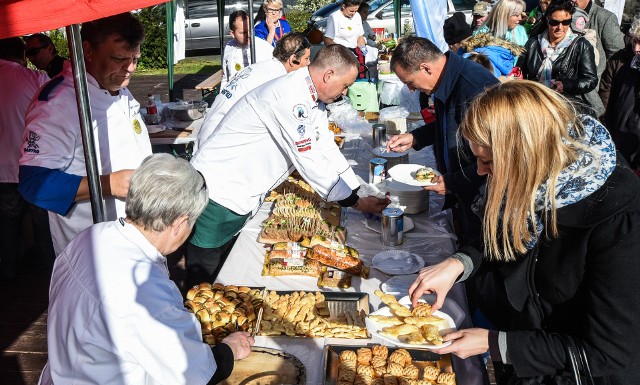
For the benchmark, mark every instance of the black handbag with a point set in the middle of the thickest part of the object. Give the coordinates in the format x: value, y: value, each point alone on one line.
x: 577, y: 371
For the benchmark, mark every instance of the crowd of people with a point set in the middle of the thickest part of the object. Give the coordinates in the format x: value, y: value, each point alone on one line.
x: 536, y: 134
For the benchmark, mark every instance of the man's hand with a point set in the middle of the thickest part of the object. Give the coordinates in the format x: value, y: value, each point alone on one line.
x: 371, y: 204
x: 400, y: 143
x: 466, y: 342
x: 436, y: 279
x: 439, y: 186
x: 119, y: 183
x: 240, y: 344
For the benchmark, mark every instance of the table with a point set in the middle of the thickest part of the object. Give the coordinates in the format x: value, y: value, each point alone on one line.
x: 432, y: 233
x: 180, y: 132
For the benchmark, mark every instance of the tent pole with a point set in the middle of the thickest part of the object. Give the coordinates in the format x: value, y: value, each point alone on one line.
x: 221, y: 30
x: 252, y: 46
x: 170, y: 49
x: 396, y: 16
x: 76, y: 54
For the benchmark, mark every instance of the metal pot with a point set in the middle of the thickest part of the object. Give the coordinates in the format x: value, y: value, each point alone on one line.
x: 188, y: 111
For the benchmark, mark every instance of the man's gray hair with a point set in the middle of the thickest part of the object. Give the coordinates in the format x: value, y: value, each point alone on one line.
x: 413, y: 51
x: 634, y: 30
x: 337, y: 56
x: 163, y: 189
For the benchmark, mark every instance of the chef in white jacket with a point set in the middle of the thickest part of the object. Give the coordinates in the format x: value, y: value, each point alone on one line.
x: 291, y: 52
x: 275, y: 128
x: 236, y: 53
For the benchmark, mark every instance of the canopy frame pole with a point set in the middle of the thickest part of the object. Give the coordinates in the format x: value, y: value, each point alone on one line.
x: 76, y: 54
x: 221, y: 31
x: 170, y: 46
x: 396, y: 17
x: 252, y: 47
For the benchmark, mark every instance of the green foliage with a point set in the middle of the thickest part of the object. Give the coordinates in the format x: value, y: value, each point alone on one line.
x: 59, y: 39
x: 309, y: 6
x: 298, y: 19
x: 154, y: 49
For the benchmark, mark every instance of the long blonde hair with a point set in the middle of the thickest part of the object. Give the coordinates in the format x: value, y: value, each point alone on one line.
x: 526, y: 126
x: 498, y: 19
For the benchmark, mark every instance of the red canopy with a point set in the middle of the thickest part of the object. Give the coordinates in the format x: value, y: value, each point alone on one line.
x: 23, y: 17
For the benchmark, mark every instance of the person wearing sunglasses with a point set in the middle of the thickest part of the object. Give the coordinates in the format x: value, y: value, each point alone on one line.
x: 291, y: 52
x: 563, y: 60
x: 272, y: 26
x: 43, y: 54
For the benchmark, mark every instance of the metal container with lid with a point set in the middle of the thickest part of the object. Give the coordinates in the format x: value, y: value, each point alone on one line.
x: 377, y: 170
x: 379, y: 135
x: 392, y: 226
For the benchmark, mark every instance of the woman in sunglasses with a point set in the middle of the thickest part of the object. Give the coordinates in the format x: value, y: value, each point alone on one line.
x: 563, y: 60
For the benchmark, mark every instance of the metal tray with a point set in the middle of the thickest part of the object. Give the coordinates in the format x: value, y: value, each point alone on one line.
x: 337, y: 303
x: 421, y: 358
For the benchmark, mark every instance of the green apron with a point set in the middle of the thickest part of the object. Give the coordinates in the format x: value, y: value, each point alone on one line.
x: 216, y: 226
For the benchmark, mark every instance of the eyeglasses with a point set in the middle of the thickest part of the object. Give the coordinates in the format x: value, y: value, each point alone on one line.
x: 34, y: 51
x: 274, y: 10
x: 303, y: 45
x: 204, y: 182
x: 555, y: 23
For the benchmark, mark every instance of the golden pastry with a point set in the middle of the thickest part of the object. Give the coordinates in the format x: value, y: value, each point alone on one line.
x: 378, y: 361
x: 390, y: 379
x: 427, y: 320
x: 411, y: 371
x: 415, y: 338
x: 407, y: 381
x: 446, y: 378
x: 364, y: 356
x: 430, y: 373
x: 395, y: 331
x: 348, y: 356
x: 399, y: 310
x: 432, y: 334
x: 380, y: 371
x: 346, y: 373
x: 407, y: 356
x: 387, y: 319
x: 394, y: 368
x: 423, y: 309
x: 380, y: 351
x: 425, y: 382
x: 377, y: 381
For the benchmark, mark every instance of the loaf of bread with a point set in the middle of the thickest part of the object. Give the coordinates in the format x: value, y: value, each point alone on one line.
x: 338, y: 259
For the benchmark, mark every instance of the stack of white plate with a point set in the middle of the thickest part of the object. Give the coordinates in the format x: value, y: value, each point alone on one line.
x: 414, y: 198
x: 392, y: 158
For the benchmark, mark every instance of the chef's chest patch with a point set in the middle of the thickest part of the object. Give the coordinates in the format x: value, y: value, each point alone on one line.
x: 137, y: 127
x: 300, y: 112
x: 304, y: 144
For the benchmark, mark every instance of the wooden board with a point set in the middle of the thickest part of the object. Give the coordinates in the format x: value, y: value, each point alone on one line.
x: 267, y: 366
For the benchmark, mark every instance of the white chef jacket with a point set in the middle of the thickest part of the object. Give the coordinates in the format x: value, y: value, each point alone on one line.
x: 52, y: 140
x: 344, y: 31
x: 236, y: 58
x: 274, y: 128
x: 19, y: 85
x: 115, y: 317
x: 243, y: 82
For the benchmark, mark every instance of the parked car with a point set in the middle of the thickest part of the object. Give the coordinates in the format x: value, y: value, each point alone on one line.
x: 381, y: 14
x: 201, y: 22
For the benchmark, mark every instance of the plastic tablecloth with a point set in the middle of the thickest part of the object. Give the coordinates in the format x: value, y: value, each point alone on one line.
x: 431, y: 238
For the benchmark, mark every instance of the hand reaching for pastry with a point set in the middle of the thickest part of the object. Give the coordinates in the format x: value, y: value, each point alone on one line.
x: 240, y: 344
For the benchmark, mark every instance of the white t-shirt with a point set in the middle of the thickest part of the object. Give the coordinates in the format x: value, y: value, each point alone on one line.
x: 243, y: 82
x: 19, y: 85
x: 236, y: 58
x: 271, y: 130
x: 52, y: 139
x: 116, y: 318
x: 344, y: 31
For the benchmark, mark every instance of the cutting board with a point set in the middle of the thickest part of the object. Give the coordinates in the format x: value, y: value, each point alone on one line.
x: 266, y: 366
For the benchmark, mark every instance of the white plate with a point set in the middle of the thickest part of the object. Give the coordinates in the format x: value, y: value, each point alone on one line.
x: 375, y: 224
x: 406, y: 173
x: 374, y: 328
x: 397, y: 262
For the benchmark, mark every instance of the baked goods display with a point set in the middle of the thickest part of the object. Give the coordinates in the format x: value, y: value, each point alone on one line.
x: 223, y: 310
x: 417, y: 326
x: 289, y: 258
x: 298, y: 213
x: 425, y: 174
x: 307, y: 315
x: 380, y: 365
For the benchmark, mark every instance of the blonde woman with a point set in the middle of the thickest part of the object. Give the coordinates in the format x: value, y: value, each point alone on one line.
x: 272, y: 26
x: 561, y: 225
x: 504, y: 22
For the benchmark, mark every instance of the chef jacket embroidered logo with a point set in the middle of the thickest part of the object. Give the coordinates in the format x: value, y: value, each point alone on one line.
x: 300, y: 111
x: 238, y: 67
x: 32, y: 146
x: 317, y: 134
x: 137, y: 128
x: 301, y: 130
x: 303, y: 145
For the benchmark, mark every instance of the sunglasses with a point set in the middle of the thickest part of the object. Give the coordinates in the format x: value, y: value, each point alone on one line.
x: 274, y: 10
x: 204, y: 182
x: 555, y: 23
x: 34, y: 51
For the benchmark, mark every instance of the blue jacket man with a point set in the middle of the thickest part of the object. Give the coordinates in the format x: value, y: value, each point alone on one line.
x: 452, y: 82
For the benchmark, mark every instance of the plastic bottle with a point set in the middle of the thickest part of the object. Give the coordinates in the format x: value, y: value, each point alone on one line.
x: 152, y: 111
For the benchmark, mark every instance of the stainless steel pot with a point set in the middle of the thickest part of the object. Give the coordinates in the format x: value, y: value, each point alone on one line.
x: 188, y: 111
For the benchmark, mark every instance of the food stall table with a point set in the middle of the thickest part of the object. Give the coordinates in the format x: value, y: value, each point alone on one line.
x: 432, y: 233
x: 176, y: 132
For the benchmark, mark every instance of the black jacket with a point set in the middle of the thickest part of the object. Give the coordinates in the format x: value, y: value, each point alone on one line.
x: 575, y: 67
x: 585, y: 283
x: 460, y: 82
